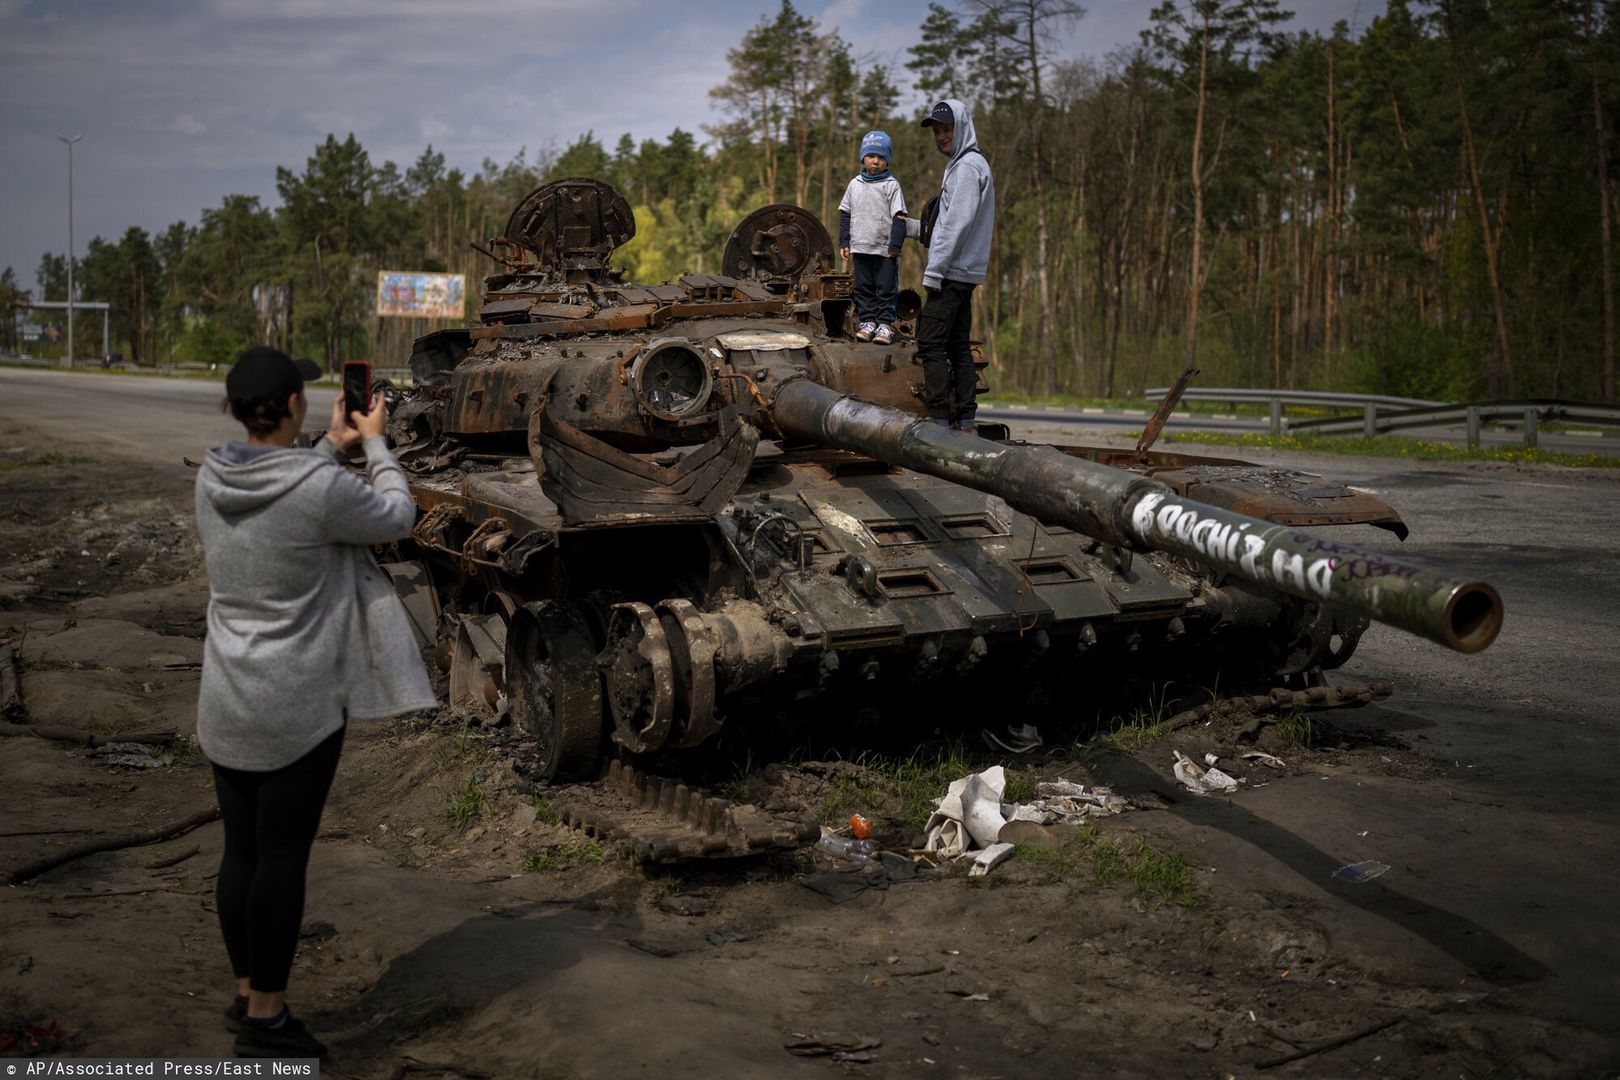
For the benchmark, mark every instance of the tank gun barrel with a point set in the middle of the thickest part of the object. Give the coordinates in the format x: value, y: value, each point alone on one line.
x: 1132, y: 511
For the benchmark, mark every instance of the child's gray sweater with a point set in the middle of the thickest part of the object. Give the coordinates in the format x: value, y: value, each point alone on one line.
x: 302, y: 625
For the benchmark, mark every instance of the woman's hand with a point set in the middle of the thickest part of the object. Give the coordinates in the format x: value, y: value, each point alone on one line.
x: 344, y: 432
x: 373, y: 422
x: 338, y: 432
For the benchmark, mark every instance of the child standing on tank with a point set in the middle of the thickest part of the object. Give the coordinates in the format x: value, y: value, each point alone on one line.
x: 870, y: 231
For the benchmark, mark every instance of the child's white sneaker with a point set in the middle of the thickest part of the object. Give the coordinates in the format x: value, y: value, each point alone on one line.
x: 884, y: 335
x: 864, y: 331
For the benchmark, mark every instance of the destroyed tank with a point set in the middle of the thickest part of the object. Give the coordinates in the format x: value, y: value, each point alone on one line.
x: 648, y: 511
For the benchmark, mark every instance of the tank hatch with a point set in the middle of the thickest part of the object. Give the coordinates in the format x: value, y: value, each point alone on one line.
x: 571, y: 226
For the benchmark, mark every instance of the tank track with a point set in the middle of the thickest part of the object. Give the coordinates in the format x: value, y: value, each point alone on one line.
x: 664, y: 821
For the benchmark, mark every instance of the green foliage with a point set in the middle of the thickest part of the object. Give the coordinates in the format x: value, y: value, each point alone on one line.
x: 1154, y: 873
x: 556, y: 858
x: 1395, y: 446
x: 1297, y: 728
x: 467, y: 803
x: 902, y: 789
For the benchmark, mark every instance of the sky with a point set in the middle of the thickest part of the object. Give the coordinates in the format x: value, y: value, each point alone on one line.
x: 182, y: 102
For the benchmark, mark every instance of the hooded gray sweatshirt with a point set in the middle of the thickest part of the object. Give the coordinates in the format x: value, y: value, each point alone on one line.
x: 302, y: 625
x: 960, y: 248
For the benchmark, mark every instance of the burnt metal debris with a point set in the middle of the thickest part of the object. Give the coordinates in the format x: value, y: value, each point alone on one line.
x: 653, y: 511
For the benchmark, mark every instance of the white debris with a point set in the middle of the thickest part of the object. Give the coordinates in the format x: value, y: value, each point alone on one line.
x: 990, y: 858
x: 1199, y: 780
x: 1263, y: 758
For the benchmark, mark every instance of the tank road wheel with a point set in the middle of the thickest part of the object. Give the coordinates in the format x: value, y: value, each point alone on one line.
x: 554, y: 688
x: 640, y: 678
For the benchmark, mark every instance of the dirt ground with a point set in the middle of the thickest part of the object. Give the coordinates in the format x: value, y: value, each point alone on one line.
x: 454, y: 928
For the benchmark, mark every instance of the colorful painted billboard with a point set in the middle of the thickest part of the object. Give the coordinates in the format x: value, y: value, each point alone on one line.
x: 414, y: 295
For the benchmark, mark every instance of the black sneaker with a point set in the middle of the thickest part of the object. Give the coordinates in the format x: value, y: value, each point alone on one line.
x: 236, y: 1015
x: 291, y: 1039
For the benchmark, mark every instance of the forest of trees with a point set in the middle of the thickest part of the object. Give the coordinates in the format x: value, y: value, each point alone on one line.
x: 1425, y: 207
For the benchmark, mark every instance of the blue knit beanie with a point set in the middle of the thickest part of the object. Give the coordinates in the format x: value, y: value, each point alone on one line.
x: 877, y: 142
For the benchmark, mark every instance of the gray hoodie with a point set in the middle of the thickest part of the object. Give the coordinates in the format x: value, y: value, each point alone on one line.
x: 303, y: 627
x: 960, y: 249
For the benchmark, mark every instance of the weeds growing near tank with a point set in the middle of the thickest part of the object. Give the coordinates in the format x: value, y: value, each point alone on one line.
x: 1297, y: 728
x: 462, y: 750
x: 565, y: 856
x: 1020, y: 788
x: 546, y: 812
x: 1154, y: 874
x: 468, y: 803
x: 1129, y: 734
x: 902, y: 789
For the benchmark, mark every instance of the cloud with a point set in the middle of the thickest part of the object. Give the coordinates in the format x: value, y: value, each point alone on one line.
x: 431, y: 127
x: 186, y: 124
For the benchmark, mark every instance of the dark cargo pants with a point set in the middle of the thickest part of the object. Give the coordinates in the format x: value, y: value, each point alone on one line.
x: 942, y: 348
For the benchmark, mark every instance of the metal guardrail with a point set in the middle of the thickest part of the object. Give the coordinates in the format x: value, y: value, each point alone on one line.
x: 1279, y: 399
x: 1530, y: 412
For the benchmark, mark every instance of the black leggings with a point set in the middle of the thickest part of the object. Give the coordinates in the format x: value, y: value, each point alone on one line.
x: 270, y: 823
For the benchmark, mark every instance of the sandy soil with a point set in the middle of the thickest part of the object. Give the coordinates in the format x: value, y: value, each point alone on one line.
x: 500, y: 947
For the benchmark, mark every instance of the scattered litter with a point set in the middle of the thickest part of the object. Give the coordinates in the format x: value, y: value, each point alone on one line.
x: 725, y: 937
x: 990, y: 858
x: 975, y: 997
x: 1358, y: 872
x: 853, y: 1057
x: 969, y: 815
x: 843, y: 847
x: 861, y: 826
x: 1199, y: 780
x: 1270, y: 761
x: 971, y: 819
x: 1020, y: 739
x: 878, y: 871
x: 1068, y: 802
x: 830, y: 1042
x: 1211, y: 759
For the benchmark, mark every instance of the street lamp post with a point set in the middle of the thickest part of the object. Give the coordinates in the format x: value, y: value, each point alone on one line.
x: 68, y: 360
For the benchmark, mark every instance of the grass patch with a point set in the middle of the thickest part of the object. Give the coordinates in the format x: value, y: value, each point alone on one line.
x: 467, y: 803
x: 903, y: 789
x: 1396, y: 446
x: 462, y: 750
x: 1154, y: 874
x: 1297, y: 728
x: 566, y: 856
x: 546, y: 812
x: 1020, y: 788
x: 1128, y: 734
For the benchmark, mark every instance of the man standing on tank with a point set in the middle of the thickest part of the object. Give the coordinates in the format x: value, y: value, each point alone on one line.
x: 958, y: 255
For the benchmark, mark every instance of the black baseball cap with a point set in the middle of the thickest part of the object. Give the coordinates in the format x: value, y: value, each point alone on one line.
x: 941, y: 114
x: 262, y: 373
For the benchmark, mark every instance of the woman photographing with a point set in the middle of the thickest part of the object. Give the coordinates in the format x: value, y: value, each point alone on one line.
x: 304, y: 634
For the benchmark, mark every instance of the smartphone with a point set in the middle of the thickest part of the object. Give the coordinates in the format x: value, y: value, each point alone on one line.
x: 356, y: 389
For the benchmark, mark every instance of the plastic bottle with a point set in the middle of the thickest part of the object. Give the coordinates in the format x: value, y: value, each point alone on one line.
x: 844, y: 847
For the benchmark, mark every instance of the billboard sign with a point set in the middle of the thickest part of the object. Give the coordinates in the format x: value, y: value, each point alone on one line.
x: 414, y: 295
